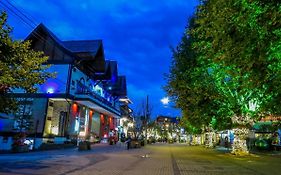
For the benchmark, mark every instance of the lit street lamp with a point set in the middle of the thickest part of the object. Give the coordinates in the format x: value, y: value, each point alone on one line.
x: 165, y: 101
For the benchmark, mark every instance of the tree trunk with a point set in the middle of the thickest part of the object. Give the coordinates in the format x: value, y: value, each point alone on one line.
x: 239, y: 146
x: 209, y: 142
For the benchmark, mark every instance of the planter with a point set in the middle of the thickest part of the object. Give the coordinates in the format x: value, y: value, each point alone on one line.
x: 135, y: 144
x: 111, y: 142
x: 85, y: 145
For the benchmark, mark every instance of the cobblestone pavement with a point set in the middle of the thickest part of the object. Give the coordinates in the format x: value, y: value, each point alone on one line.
x: 157, y: 159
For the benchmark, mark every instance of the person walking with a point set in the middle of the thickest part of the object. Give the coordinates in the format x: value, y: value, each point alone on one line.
x: 129, y: 141
x: 226, y: 141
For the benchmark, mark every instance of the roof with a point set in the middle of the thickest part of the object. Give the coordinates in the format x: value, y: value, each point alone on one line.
x: 121, y: 86
x: 110, y: 72
x: 40, y: 31
x: 114, y: 70
x: 87, y: 54
x: 89, y: 51
x: 118, y: 88
x: 83, y: 45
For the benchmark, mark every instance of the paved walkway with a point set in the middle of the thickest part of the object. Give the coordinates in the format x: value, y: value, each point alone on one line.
x: 158, y: 159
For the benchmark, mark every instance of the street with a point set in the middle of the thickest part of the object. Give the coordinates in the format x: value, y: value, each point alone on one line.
x: 162, y: 159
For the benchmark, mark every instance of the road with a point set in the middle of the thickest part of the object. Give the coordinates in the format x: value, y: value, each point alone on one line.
x: 157, y: 159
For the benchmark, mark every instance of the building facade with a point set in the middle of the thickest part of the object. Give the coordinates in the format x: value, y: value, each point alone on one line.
x: 80, y: 103
x: 168, y: 129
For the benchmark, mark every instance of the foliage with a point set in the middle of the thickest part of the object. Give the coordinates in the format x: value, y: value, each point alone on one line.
x: 188, y: 127
x: 228, y: 64
x: 240, y: 37
x: 20, y: 67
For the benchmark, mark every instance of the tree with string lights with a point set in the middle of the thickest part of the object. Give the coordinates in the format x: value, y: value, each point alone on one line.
x: 226, y: 72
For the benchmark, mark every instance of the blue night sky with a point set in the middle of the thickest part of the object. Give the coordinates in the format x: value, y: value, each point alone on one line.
x: 138, y: 34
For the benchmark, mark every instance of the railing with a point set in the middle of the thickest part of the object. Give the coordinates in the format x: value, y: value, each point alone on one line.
x: 84, y: 90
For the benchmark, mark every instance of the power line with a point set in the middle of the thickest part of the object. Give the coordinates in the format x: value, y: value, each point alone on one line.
x: 28, y: 18
x: 37, y: 35
x: 16, y: 15
x: 25, y: 21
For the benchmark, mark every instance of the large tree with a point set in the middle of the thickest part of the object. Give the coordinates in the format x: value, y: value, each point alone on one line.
x: 190, y: 84
x: 20, y: 66
x: 238, y: 46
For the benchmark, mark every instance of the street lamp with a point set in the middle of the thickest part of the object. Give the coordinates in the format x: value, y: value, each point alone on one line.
x: 165, y: 100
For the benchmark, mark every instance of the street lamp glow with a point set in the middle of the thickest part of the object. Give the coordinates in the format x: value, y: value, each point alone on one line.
x: 165, y: 100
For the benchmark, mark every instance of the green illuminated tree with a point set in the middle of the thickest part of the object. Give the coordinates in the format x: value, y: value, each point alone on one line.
x: 20, y: 67
x: 240, y: 41
x: 191, y: 86
x: 227, y: 67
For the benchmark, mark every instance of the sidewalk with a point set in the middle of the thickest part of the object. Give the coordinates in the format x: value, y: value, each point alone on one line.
x: 157, y: 159
x: 101, y: 159
x: 48, y: 154
x: 138, y: 161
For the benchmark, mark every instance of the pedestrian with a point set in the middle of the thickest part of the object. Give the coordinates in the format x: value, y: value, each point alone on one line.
x: 128, y: 142
x: 231, y: 138
x: 226, y: 142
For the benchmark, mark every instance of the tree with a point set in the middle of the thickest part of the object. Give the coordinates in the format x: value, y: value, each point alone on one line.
x: 20, y: 67
x: 233, y: 48
x: 190, y: 85
x: 188, y: 127
x: 142, y: 118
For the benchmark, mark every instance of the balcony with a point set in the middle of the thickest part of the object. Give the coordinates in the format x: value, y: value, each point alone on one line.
x: 84, y: 92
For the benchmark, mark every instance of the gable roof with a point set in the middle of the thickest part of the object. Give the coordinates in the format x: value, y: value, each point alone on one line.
x: 110, y: 74
x: 119, y: 88
x: 40, y: 33
x: 89, y: 52
x: 86, y: 54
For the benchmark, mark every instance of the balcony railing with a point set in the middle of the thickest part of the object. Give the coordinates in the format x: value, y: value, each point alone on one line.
x: 84, y: 90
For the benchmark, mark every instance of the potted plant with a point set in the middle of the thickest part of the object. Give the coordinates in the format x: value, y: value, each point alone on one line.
x: 84, y: 145
x: 18, y: 144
